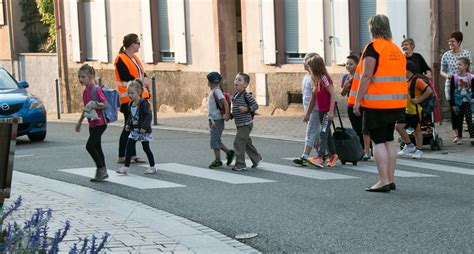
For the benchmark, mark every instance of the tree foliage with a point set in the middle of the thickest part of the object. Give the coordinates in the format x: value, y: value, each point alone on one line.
x: 46, y: 9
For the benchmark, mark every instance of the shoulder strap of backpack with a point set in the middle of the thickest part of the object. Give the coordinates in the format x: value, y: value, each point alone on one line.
x: 412, y: 86
x: 94, y: 93
x: 246, y: 99
x: 217, y: 99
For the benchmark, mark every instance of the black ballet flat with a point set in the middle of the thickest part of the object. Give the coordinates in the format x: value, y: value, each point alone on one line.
x: 393, y: 186
x: 385, y: 188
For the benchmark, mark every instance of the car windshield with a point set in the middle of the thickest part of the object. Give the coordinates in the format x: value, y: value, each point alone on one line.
x: 6, y: 81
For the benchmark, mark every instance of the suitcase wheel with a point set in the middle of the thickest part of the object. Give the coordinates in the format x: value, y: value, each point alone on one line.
x: 343, y: 162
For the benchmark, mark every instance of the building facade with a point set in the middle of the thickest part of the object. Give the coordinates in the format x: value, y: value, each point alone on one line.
x: 182, y: 40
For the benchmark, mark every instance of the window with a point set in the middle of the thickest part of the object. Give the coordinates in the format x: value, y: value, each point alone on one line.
x: 166, y: 23
x: 295, y: 31
x: 95, y: 30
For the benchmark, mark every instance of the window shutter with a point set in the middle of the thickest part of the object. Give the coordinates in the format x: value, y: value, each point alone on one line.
x: 315, y: 26
x: 74, y: 30
x: 367, y: 10
x: 165, y: 25
x: 180, y: 31
x: 397, y: 13
x: 146, y: 40
x: 267, y: 31
x: 341, y: 36
x: 101, y: 36
x: 291, y: 26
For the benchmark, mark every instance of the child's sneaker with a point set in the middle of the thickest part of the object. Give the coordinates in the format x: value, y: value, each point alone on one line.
x: 316, y: 161
x: 407, y: 148
x: 238, y: 169
x: 230, y: 157
x: 332, y: 160
x: 459, y: 141
x: 302, y: 161
x: 417, y: 155
x: 366, y: 157
x: 122, y: 171
x: 151, y: 170
x: 215, y: 164
x: 472, y: 141
x: 254, y: 165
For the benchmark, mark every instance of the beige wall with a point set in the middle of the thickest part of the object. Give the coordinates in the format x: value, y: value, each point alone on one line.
x: 4, y: 43
x: 419, y: 27
x: 466, y: 7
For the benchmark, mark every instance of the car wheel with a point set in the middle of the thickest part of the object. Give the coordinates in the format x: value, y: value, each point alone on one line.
x: 37, y: 137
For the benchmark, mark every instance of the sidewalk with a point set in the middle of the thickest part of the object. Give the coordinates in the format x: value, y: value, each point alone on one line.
x: 134, y: 227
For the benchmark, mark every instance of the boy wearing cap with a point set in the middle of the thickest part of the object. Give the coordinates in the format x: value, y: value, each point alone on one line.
x: 217, y: 101
x: 413, y: 114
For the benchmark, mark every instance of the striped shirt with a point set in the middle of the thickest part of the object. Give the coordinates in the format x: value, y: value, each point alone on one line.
x: 239, y: 99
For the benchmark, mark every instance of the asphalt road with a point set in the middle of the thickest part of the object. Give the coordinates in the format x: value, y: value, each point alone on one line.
x: 291, y: 214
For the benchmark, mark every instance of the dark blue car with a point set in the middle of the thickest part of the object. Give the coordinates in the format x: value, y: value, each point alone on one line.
x: 15, y: 102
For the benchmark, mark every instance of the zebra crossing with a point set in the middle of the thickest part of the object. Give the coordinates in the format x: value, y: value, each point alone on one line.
x: 341, y: 172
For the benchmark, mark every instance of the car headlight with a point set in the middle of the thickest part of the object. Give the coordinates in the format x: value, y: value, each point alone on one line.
x: 35, y: 104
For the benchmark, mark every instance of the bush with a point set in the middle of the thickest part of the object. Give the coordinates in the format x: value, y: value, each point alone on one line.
x: 33, y: 236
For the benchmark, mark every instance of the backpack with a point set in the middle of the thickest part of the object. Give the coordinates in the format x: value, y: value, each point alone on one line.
x: 252, y: 113
x: 113, y: 99
x: 227, y: 99
x: 428, y: 104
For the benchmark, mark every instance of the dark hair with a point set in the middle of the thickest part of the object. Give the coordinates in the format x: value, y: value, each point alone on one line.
x: 128, y: 40
x: 245, y: 76
x: 457, y: 36
x: 466, y: 61
x: 353, y: 58
x: 409, y: 41
x: 87, y: 69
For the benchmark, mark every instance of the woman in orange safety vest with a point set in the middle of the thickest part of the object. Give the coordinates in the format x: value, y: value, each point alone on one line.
x: 127, y: 68
x: 379, y: 91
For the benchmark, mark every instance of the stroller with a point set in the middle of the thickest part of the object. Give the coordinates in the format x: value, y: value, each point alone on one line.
x: 430, y: 137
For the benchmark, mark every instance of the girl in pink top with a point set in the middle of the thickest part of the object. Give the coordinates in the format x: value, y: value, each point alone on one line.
x: 96, y: 120
x: 323, y: 95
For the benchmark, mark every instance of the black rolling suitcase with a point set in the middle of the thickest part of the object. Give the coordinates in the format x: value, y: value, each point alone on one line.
x: 347, y: 143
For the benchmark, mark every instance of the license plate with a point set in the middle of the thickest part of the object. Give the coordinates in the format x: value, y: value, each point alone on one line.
x: 11, y: 120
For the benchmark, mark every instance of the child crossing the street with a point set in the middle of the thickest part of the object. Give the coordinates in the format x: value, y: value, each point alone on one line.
x: 243, y: 109
x: 312, y: 127
x: 461, y: 99
x: 139, y: 125
x: 216, y: 102
x: 323, y: 95
x: 97, y: 121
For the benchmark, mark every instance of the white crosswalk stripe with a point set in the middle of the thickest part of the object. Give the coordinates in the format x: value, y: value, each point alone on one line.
x: 372, y: 169
x: 300, y: 171
x: 135, y: 181
x: 436, y: 167
x: 211, y: 174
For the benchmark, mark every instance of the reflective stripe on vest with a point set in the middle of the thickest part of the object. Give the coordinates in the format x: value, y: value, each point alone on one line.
x: 384, y: 79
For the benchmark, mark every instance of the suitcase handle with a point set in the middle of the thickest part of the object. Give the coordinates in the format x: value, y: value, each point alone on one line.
x: 338, y: 114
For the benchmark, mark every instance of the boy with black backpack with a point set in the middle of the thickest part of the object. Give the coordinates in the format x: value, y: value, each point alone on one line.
x: 418, y: 92
x: 218, y: 112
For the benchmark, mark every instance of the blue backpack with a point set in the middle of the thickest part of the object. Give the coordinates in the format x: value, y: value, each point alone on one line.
x: 113, y: 99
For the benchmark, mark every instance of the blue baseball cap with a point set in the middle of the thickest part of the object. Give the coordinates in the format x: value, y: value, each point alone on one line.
x: 214, y: 77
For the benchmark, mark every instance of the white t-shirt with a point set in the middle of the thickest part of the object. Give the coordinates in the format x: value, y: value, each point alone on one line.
x: 214, y: 112
x: 307, y: 90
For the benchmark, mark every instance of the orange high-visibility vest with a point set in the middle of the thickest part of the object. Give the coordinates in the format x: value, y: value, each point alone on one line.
x: 388, y: 87
x: 134, y: 71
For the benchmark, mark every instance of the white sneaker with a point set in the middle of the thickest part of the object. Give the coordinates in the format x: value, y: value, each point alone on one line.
x: 151, y: 170
x: 408, y: 148
x: 122, y: 171
x: 417, y: 155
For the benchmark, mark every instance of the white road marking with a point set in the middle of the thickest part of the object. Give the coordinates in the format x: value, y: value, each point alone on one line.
x: 17, y: 156
x: 135, y: 181
x: 212, y: 174
x: 300, y: 171
x: 373, y: 169
x: 437, y: 167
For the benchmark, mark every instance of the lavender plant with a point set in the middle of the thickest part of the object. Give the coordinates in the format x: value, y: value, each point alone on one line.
x: 33, y: 236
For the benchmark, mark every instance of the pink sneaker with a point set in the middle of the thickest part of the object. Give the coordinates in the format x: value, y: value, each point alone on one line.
x: 316, y: 161
x: 332, y: 160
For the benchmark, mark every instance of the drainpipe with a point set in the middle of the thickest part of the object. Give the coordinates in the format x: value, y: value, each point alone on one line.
x: 435, y: 44
x: 61, y: 50
x: 12, y: 37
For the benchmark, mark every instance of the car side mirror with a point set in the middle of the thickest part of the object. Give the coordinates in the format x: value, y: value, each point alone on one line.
x: 24, y: 84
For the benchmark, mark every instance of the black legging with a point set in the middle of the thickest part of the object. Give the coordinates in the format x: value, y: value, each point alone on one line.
x: 94, y: 146
x: 124, y: 135
x: 146, y: 147
x: 464, y: 113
